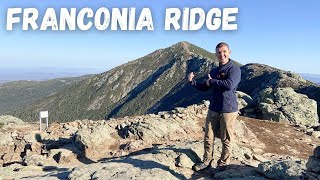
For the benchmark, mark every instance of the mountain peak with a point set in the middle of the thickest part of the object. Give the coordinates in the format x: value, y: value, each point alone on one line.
x: 184, y: 44
x: 181, y: 48
x: 151, y: 83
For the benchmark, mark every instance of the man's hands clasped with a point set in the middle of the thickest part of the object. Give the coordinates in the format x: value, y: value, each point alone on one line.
x: 207, y: 81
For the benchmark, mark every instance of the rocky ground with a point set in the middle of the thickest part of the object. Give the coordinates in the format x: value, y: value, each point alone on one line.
x: 162, y: 146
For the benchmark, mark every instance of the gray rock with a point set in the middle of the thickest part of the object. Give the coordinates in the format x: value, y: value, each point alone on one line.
x: 288, y: 107
x: 257, y: 150
x: 260, y: 158
x: 97, y: 142
x: 34, y: 159
x: 316, y: 134
x: 155, y: 163
x: 30, y: 138
x: 179, y: 109
x: 266, y: 96
x: 165, y: 116
x: 244, y: 100
x: 154, y: 129
x: 302, y: 127
x: 309, y: 131
x: 62, y: 155
x: 184, y: 161
x: 6, y: 139
x: 287, y: 169
x: 7, y: 119
x: 268, y: 101
x: 123, y: 125
x: 238, y: 152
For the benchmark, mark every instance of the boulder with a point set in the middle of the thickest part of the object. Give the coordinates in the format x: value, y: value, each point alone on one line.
x: 31, y: 138
x: 286, y: 169
x: 63, y: 156
x: 287, y: 106
x: 184, y: 161
x: 7, y: 119
x: 6, y: 139
x: 155, y: 129
x: 96, y: 142
x: 34, y: 159
x: 316, y: 134
x: 244, y: 100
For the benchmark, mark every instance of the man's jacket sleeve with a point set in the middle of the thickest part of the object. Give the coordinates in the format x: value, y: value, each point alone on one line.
x: 231, y: 82
x: 200, y: 86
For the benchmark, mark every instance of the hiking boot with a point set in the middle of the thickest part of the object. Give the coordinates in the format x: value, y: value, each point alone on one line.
x: 221, y: 165
x: 201, y: 166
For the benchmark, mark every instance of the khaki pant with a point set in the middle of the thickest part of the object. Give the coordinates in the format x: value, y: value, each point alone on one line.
x: 219, y: 124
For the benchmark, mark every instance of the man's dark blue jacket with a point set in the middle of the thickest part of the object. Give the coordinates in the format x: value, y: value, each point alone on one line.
x: 225, y: 80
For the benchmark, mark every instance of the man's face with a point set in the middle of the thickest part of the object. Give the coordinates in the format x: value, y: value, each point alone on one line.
x: 223, y: 54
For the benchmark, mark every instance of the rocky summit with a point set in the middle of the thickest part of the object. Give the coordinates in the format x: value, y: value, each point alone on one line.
x: 165, y: 145
x: 255, y: 78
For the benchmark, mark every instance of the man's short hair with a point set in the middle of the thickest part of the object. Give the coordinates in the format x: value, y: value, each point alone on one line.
x: 221, y: 45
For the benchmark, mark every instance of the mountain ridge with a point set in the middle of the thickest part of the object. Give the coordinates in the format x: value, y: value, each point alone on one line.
x: 119, y: 91
x: 156, y: 82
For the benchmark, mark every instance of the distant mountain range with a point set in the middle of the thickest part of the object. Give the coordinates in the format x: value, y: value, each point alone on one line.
x: 8, y: 74
x: 311, y: 77
x: 17, y: 94
x: 4, y: 81
x: 153, y: 83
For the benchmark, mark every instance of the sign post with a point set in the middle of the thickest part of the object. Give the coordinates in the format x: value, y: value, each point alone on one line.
x: 44, y: 114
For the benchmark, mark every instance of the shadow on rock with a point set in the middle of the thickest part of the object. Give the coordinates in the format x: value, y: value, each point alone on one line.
x: 229, y: 172
x: 60, y: 173
x: 146, y: 164
x: 162, y: 158
x: 61, y: 145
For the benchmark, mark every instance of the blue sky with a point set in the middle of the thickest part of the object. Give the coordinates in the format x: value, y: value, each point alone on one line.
x: 284, y: 34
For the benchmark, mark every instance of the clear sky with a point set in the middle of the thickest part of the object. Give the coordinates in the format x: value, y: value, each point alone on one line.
x: 284, y: 34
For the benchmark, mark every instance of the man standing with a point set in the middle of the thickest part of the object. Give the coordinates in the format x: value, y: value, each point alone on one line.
x: 223, y: 110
